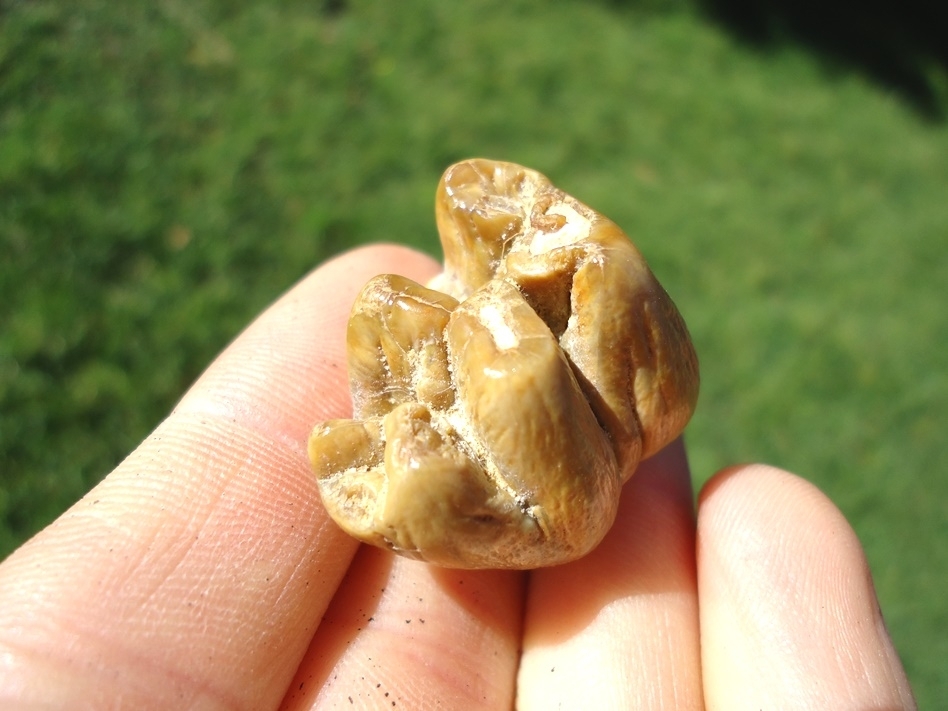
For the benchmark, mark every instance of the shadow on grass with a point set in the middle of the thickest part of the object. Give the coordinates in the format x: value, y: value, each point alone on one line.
x: 900, y: 45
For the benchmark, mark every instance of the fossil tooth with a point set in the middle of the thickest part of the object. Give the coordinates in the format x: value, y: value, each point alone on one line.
x: 498, y: 410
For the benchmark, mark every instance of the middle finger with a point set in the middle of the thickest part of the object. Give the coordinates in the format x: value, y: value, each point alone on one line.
x: 619, y: 628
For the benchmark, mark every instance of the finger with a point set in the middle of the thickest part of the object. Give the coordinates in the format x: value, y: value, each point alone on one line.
x: 196, y: 573
x: 789, y: 617
x: 619, y: 628
x: 404, y: 634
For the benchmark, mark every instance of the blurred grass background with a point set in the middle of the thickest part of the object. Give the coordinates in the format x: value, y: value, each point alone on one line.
x: 169, y: 168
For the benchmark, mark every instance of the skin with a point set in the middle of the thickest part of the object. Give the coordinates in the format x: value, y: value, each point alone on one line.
x: 204, y: 573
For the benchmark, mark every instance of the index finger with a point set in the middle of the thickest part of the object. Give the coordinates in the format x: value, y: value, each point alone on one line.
x: 196, y: 573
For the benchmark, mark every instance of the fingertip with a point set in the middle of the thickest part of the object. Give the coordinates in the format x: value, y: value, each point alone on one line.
x: 787, y: 602
x: 770, y: 502
x: 374, y: 259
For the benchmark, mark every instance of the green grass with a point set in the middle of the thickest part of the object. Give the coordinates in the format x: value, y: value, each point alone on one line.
x: 168, y: 168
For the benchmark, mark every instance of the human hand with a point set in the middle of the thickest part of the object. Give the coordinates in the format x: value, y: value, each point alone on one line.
x: 204, y: 573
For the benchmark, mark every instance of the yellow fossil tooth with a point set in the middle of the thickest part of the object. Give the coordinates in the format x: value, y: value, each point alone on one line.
x: 499, y: 409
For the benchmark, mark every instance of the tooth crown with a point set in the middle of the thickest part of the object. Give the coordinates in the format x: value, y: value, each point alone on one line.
x: 499, y: 410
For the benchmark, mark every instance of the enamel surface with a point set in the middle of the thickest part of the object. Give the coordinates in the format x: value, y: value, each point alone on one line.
x: 499, y: 410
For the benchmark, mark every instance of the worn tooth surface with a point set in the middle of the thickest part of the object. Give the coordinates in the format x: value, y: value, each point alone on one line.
x: 528, y: 417
x: 396, y: 346
x: 499, y: 410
